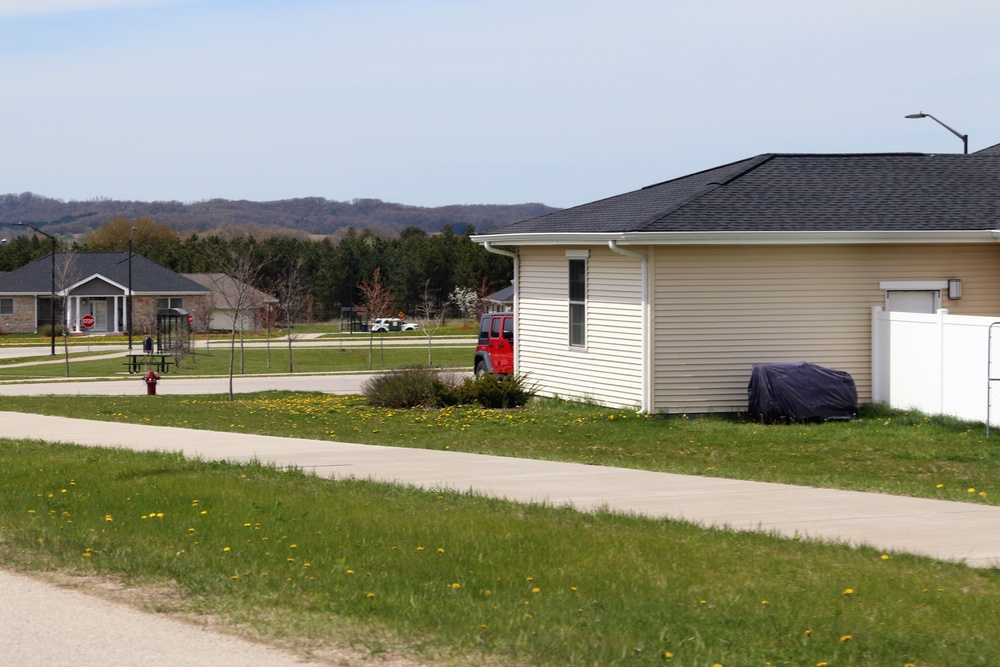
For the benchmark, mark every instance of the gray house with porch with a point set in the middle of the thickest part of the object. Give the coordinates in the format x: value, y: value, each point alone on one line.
x: 95, y: 284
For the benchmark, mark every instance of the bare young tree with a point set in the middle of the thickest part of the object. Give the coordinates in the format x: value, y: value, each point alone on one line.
x: 292, y: 293
x: 238, y: 293
x: 430, y: 314
x: 376, y: 301
x: 67, y: 274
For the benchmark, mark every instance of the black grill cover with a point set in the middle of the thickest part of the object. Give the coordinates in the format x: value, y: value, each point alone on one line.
x: 799, y: 392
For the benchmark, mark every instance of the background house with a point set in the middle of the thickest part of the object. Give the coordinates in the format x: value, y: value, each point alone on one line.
x: 96, y: 284
x: 229, y: 296
x: 665, y: 297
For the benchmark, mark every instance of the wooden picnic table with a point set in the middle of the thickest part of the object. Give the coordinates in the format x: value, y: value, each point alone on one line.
x: 139, y: 362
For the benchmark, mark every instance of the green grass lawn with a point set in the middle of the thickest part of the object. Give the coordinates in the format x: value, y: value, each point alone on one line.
x: 215, y: 361
x: 444, y: 577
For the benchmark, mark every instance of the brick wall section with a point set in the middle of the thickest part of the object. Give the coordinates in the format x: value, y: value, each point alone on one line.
x: 144, y: 310
x: 23, y: 319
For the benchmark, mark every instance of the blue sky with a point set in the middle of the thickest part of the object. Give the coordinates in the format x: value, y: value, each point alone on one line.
x: 471, y: 102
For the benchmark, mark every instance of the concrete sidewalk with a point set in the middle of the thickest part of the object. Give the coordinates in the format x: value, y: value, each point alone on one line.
x: 966, y: 532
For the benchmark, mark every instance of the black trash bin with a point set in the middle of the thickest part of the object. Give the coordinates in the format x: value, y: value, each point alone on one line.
x: 799, y: 392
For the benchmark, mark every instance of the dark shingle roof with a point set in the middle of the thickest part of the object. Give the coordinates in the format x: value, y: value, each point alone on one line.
x: 776, y: 192
x: 147, y: 277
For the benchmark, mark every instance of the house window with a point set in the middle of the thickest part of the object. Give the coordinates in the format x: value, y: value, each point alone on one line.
x: 577, y: 302
x: 171, y: 302
x: 6, y: 306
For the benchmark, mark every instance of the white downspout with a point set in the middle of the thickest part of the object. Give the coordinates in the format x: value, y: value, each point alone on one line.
x: 517, y: 325
x: 644, y: 352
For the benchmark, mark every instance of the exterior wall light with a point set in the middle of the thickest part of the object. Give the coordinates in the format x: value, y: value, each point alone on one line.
x: 954, y: 289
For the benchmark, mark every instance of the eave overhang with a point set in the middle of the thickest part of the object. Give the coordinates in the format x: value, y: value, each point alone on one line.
x: 742, y: 238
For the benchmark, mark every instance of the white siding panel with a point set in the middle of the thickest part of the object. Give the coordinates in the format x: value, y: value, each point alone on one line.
x: 719, y: 310
x: 608, y: 370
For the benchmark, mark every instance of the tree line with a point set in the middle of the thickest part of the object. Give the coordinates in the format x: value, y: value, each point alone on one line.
x: 414, y: 266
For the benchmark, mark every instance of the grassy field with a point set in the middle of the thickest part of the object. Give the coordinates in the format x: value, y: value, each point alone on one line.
x: 887, y: 451
x: 215, y: 361
x: 450, y: 578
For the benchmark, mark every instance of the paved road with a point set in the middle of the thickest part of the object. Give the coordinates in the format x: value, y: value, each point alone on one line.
x: 42, y: 625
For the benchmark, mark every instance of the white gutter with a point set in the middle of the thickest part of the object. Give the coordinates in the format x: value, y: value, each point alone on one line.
x: 744, y: 238
x: 644, y: 344
x: 517, y: 326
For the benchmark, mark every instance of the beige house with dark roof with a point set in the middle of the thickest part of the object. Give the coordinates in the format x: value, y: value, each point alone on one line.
x: 664, y: 298
x: 229, y: 296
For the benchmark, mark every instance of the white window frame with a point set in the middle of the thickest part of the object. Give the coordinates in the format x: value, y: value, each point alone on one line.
x: 577, y: 303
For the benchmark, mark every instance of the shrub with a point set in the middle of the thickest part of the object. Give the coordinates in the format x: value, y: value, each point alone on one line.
x: 45, y: 330
x: 419, y: 386
x: 490, y: 391
x: 404, y: 388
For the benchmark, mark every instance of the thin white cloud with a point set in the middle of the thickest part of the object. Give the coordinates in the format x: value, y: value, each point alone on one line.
x: 10, y: 8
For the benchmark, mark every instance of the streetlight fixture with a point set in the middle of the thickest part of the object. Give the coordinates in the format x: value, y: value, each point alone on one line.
x: 963, y: 137
x: 52, y: 303
x: 128, y: 321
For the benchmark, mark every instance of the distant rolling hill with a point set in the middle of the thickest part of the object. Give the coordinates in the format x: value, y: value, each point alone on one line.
x: 309, y: 215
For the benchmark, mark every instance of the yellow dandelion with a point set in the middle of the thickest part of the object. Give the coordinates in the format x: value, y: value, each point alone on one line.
x: 971, y: 490
x: 440, y: 550
x: 884, y: 556
x: 536, y: 589
x: 846, y: 638
x: 848, y: 591
x: 369, y: 595
x: 668, y: 655
x: 940, y: 486
x: 226, y: 549
x: 456, y: 585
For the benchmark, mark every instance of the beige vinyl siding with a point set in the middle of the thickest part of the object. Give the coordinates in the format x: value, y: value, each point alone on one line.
x: 608, y: 369
x: 720, y: 309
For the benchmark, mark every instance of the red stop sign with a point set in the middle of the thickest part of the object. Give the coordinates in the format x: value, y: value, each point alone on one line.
x: 190, y: 319
x: 87, y: 321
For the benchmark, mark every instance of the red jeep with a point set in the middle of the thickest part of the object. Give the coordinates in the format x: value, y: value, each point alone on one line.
x: 495, y: 351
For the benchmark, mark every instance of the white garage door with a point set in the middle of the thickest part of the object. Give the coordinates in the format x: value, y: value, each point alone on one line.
x: 913, y: 301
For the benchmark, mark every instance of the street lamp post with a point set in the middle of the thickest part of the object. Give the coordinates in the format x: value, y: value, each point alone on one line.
x: 128, y: 322
x: 52, y: 303
x: 963, y: 137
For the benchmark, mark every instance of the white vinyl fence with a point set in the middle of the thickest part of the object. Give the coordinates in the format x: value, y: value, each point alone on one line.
x: 938, y: 364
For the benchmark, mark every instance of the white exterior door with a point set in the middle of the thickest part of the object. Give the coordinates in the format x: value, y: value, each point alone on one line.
x: 99, y: 309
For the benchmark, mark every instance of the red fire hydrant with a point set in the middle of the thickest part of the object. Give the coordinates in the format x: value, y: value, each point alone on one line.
x: 151, y: 379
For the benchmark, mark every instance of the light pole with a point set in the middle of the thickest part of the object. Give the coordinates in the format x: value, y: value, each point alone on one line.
x: 963, y: 137
x: 52, y: 304
x: 128, y: 321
